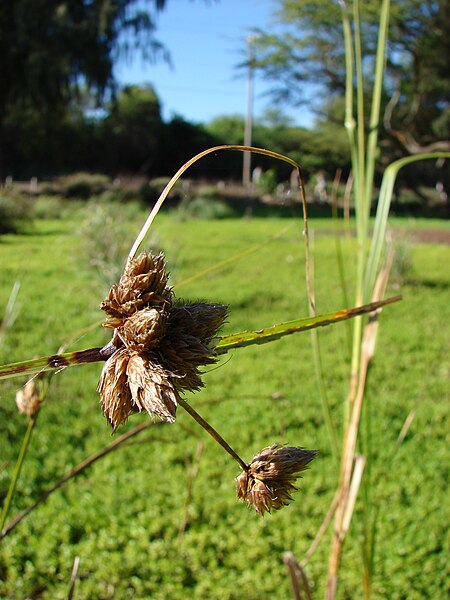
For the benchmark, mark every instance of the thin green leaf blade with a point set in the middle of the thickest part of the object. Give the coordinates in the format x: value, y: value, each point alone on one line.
x: 57, y: 362
x: 384, y: 204
x: 269, y: 334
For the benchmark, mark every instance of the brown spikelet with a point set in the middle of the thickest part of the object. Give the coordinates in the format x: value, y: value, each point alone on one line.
x: 269, y: 481
x: 28, y: 400
x: 114, y: 390
x: 188, y: 343
x: 182, y: 355
x: 144, y: 284
x: 199, y: 319
x: 162, y: 346
x: 151, y: 387
x: 144, y: 329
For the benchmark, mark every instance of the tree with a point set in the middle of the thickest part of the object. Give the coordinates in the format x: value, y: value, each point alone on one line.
x: 322, y: 148
x: 309, y: 49
x: 51, y: 50
x: 133, y: 130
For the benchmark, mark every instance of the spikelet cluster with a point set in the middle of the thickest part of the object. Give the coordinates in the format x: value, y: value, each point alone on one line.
x: 160, y: 344
x: 28, y: 399
x: 268, y: 482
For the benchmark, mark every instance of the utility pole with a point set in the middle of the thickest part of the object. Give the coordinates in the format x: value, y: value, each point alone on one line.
x: 246, y: 166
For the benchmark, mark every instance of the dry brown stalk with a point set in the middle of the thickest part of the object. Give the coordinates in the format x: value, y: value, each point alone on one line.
x: 358, y: 468
x: 406, y: 425
x: 301, y: 590
x: 73, y: 578
x: 322, y: 529
x: 357, y: 382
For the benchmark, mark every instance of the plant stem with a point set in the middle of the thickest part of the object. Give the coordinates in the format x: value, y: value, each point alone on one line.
x: 17, y: 469
x: 372, y: 140
x: 361, y: 200
x: 76, y: 471
x: 212, y: 432
x: 57, y: 362
x: 185, y: 167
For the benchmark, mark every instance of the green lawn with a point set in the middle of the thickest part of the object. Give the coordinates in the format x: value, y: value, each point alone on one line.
x: 122, y: 516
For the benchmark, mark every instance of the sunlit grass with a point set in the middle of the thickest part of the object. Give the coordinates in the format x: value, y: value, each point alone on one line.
x: 122, y: 516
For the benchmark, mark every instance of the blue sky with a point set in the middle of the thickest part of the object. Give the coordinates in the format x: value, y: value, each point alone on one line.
x: 206, y: 40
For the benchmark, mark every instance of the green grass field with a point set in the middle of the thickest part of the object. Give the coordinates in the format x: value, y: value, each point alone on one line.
x: 122, y: 516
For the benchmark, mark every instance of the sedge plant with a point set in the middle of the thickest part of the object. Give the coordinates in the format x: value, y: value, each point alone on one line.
x: 372, y: 273
x: 155, y: 352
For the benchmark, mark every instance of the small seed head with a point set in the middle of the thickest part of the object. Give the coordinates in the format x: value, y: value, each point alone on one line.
x: 28, y: 400
x: 269, y: 481
x: 144, y: 329
x: 144, y: 284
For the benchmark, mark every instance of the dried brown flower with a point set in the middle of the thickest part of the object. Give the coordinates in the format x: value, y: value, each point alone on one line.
x: 198, y: 319
x: 152, y: 387
x: 28, y: 400
x: 160, y: 346
x: 269, y: 481
x: 143, y: 284
x: 114, y: 390
x: 144, y: 329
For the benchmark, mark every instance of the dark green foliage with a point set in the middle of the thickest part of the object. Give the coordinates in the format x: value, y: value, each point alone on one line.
x: 325, y: 147
x: 51, y: 53
x: 82, y: 185
x: 307, y: 47
x: 128, y: 136
x: 15, y: 211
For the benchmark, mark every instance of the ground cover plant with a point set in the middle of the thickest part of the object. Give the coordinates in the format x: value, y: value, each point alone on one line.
x: 131, y: 518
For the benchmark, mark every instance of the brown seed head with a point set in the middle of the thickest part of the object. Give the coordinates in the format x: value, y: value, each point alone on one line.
x: 182, y: 355
x: 115, y: 393
x: 144, y: 329
x: 188, y: 343
x: 27, y: 399
x: 161, y: 346
x: 199, y: 319
x: 151, y: 387
x: 269, y: 481
x: 144, y: 284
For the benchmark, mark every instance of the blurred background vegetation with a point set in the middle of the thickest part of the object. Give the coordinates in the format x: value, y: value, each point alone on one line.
x: 62, y: 111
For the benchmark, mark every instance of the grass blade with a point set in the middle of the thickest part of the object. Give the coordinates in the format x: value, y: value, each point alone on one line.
x: 384, y: 203
x: 57, y: 362
x: 141, y: 235
x: 262, y: 336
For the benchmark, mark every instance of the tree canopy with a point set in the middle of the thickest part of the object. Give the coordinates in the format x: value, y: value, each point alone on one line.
x: 53, y: 50
x: 308, y: 48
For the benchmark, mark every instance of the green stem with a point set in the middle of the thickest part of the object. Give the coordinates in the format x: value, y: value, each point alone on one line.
x: 372, y: 140
x: 225, y: 343
x: 350, y: 124
x: 339, y: 254
x: 361, y: 200
x: 212, y: 432
x: 17, y: 469
x: 323, y: 395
